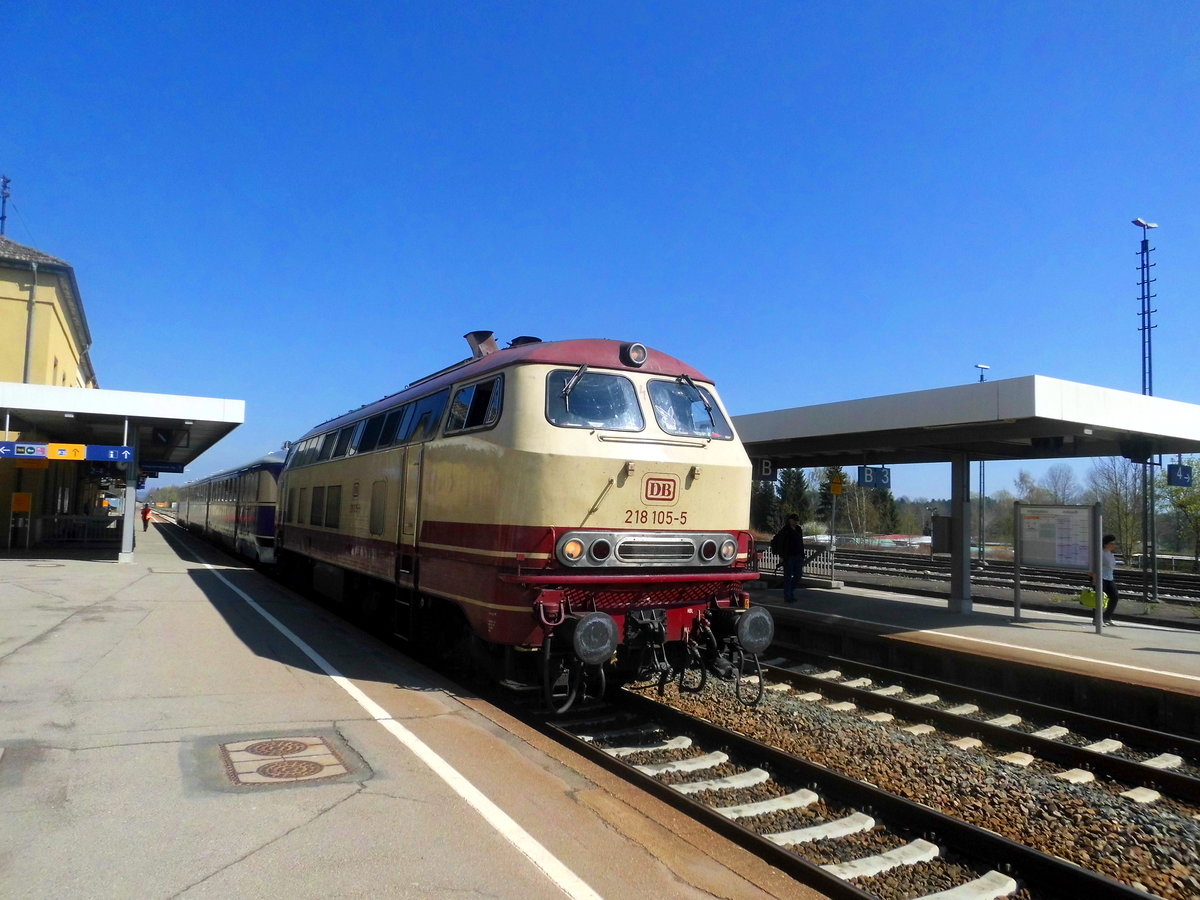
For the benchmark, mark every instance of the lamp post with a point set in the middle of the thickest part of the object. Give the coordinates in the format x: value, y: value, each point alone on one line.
x: 1149, y: 531
x: 982, y: 372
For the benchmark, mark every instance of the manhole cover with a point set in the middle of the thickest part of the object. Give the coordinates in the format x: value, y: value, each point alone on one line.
x: 290, y: 768
x: 277, y: 748
x: 281, y: 761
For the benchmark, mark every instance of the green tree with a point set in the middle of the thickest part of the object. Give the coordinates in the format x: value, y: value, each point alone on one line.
x: 1185, y: 503
x: 764, y: 507
x: 887, y: 516
x: 793, y: 496
x: 1116, y: 483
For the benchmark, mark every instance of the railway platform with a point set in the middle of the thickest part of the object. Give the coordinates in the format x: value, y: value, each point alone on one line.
x: 182, y: 726
x: 1141, y: 669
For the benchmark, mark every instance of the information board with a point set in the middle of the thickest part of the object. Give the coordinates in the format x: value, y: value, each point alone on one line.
x: 1056, y: 536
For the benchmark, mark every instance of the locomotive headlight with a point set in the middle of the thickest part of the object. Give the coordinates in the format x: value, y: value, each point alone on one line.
x: 572, y: 550
x: 728, y: 550
x: 634, y: 355
x: 600, y: 550
x: 708, y: 550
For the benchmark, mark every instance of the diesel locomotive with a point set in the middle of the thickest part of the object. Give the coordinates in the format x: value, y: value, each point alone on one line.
x: 564, y: 515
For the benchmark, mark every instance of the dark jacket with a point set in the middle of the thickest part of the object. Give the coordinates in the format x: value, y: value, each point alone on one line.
x: 789, y: 542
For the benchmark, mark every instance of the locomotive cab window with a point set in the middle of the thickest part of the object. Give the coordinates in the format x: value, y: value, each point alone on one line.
x: 685, y: 409
x: 475, y: 406
x: 369, y: 439
x: 582, y: 399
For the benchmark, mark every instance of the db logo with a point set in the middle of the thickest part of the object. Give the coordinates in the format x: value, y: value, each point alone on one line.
x: 659, y: 489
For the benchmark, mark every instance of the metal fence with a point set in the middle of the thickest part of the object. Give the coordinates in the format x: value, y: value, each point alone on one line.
x: 62, y: 529
x: 818, y: 562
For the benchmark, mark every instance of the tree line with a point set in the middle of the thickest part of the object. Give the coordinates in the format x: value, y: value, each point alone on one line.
x: 1116, y: 483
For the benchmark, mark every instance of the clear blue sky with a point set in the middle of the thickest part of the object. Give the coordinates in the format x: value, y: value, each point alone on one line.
x: 305, y: 205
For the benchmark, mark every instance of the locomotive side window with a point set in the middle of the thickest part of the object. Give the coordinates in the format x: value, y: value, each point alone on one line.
x: 684, y: 409
x: 290, y: 512
x: 333, y: 506
x: 370, y: 434
x: 325, y: 449
x: 427, y: 413
x: 343, y: 441
x: 475, y: 406
x: 316, y: 515
x: 378, y: 506
x: 582, y: 399
x: 387, y: 436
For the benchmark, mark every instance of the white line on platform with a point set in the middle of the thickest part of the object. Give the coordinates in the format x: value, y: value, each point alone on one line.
x: 570, y: 883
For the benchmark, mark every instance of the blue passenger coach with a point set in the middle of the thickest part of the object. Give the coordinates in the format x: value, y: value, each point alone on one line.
x: 236, y: 507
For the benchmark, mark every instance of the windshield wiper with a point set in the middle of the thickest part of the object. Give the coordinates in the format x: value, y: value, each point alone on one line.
x: 570, y: 385
x: 699, y: 393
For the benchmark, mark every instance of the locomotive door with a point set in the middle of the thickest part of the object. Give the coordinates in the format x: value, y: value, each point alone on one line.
x: 411, y: 495
x: 406, y: 560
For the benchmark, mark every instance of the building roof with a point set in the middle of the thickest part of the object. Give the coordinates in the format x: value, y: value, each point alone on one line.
x: 12, y: 252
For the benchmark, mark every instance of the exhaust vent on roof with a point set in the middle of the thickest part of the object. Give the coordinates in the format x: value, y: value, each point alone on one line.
x: 482, y: 343
x: 524, y: 339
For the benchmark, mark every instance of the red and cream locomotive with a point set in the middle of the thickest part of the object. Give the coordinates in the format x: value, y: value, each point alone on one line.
x: 565, y: 513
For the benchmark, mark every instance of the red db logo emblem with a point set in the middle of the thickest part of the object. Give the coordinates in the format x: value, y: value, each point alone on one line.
x: 659, y: 489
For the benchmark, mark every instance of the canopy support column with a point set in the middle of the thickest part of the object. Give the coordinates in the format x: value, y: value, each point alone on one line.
x: 960, y: 533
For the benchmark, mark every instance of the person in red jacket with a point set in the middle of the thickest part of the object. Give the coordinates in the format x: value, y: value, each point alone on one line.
x: 145, y: 516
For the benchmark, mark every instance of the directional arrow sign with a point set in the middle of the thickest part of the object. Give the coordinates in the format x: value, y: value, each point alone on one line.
x: 19, y: 450
x: 106, y: 453
x: 69, y: 452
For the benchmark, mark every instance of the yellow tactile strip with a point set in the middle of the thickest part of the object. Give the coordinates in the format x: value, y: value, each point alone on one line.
x: 281, y: 760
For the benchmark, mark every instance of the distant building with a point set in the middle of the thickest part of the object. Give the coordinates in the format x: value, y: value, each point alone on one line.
x: 44, y: 336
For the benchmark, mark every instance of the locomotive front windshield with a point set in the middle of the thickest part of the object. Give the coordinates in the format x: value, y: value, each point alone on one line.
x: 582, y: 399
x: 684, y: 409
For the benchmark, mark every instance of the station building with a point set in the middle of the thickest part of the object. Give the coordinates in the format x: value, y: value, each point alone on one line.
x: 72, y: 455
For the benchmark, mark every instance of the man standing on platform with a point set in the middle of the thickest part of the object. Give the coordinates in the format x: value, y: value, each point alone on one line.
x: 788, y: 545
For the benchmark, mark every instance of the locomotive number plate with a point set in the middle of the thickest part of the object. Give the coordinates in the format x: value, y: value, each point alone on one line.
x: 655, y: 517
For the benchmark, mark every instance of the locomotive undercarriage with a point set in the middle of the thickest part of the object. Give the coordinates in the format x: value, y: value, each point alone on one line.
x: 583, y: 654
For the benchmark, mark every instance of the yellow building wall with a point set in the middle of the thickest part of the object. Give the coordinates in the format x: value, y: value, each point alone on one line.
x: 55, y: 357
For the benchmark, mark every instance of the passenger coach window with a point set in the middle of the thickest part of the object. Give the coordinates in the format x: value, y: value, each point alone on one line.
x: 475, y: 406
x: 576, y: 398
x: 687, y: 410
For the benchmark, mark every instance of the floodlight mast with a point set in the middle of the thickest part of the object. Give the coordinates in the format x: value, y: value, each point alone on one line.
x: 1149, y: 529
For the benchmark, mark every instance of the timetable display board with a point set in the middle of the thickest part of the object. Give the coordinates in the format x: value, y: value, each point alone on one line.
x: 1057, y: 536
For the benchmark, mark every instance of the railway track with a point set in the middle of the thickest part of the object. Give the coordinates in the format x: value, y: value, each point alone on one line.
x: 838, y: 833
x: 1176, y: 587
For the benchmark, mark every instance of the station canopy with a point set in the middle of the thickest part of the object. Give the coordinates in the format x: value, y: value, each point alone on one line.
x: 1032, y: 417
x: 168, y: 429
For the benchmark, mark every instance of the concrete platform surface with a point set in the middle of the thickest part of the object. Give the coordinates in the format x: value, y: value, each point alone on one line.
x: 1136, y: 651
x: 181, y: 726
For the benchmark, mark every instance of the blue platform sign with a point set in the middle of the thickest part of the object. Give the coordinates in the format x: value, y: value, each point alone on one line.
x: 158, y: 465
x: 877, y: 477
x: 22, y: 450
x: 108, y: 453
x: 1179, y: 476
